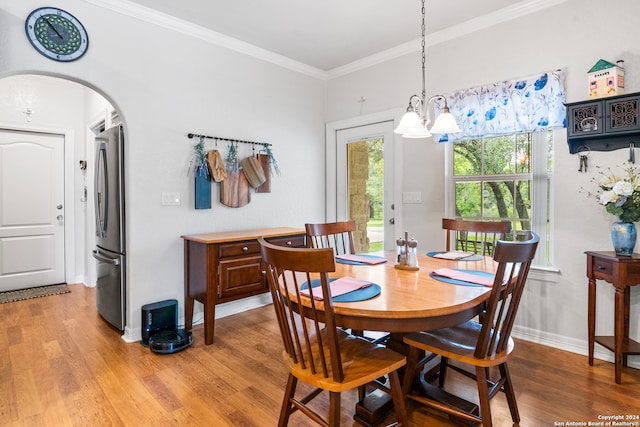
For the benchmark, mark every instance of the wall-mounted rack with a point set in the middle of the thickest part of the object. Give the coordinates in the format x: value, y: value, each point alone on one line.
x: 604, y: 124
x: 217, y: 138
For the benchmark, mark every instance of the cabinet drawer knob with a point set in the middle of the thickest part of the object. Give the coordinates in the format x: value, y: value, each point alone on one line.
x: 245, y: 249
x: 601, y: 267
x: 289, y: 243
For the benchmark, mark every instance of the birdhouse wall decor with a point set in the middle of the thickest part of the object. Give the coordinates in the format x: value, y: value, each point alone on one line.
x: 606, y: 79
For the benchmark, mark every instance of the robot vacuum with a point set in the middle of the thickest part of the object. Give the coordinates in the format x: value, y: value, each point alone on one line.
x: 160, y: 330
x: 170, y: 341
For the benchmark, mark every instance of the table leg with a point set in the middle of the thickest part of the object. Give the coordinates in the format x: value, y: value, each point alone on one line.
x: 188, y: 312
x: 619, y: 332
x: 188, y: 299
x: 209, y: 321
x: 591, y: 315
x: 627, y: 298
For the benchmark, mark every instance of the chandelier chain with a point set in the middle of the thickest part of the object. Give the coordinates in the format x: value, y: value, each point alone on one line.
x: 424, y: 92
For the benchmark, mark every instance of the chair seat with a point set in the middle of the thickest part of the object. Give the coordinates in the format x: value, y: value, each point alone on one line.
x: 362, y: 362
x: 457, y: 343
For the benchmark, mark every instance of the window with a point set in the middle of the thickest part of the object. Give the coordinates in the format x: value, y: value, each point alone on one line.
x: 506, y: 178
x: 500, y: 165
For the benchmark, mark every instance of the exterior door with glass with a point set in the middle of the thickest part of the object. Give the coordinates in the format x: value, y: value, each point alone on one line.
x: 365, y: 183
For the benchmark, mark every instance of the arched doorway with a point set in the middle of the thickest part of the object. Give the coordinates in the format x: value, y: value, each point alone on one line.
x: 35, y: 104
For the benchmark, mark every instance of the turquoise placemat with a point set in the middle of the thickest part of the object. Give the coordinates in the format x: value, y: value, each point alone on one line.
x: 461, y: 282
x: 353, y: 296
x: 350, y: 262
x: 474, y: 257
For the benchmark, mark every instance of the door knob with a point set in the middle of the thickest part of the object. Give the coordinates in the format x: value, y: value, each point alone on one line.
x: 59, y: 217
x: 59, y: 207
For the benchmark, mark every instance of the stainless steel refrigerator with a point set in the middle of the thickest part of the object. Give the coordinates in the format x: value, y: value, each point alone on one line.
x: 110, y: 233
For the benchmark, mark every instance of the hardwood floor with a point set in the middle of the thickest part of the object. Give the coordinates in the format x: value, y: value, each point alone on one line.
x: 61, y: 365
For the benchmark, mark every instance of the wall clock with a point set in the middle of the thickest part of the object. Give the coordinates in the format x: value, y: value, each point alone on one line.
x: 56, y: 34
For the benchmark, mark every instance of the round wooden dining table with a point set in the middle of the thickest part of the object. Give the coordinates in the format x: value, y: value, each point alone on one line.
x: 412, y: 301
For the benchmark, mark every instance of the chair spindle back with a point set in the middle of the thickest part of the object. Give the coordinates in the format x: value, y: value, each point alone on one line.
x: 307, y: 325
x: 514, y: 260
x: 336, y: 235
x: 474, y: 236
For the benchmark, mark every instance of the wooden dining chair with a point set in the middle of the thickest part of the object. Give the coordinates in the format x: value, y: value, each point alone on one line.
x: 336, y: 235
x: 474, y: 236
x: 481, y: 345
x: 315, y: 350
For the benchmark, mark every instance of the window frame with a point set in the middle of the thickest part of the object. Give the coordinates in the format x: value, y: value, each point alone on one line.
x: 542, y: 191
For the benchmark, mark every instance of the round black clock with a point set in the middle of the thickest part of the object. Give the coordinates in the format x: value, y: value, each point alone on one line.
x: 56, y: 34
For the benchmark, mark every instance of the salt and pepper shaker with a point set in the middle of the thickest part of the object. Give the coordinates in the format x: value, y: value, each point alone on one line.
x: 412, y: 254
x: 402, y: 251
x: 407, y: 257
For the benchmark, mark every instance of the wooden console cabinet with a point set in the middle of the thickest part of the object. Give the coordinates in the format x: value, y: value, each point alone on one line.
x: 223, y: 267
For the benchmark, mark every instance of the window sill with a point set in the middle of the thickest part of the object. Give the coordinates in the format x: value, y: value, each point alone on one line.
x: 544, y: 274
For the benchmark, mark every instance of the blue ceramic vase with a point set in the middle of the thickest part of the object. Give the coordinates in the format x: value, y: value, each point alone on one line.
x: 623, y: 236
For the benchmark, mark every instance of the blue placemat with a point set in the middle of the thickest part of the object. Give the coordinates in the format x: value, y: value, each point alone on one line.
x: 474, y: 257
x: 461, y: 282
x: 353, y: 296
x: 347, y: 261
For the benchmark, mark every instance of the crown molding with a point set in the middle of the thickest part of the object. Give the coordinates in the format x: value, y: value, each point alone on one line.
x: 155, y: 17
x: 517, y: 10
x: 151, y: 16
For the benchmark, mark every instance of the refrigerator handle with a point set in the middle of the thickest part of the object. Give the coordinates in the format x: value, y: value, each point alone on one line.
x: 113, y: 261
x: 101, y: 182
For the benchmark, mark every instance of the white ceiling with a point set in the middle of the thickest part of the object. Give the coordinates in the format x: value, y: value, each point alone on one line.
x: 328, y: 34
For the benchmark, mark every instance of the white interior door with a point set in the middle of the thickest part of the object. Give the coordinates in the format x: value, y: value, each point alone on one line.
x: 344, y: 137
x: 31, y: 209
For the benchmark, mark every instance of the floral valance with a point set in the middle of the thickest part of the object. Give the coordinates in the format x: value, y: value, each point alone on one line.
x: 514, y: 106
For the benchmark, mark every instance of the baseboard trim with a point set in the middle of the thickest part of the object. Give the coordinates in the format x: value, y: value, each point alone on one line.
x: 131, y: 335
x: 560, y: 342
x: 233, y: 307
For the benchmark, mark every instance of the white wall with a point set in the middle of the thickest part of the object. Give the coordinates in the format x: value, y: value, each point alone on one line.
x: 573, y: 36
x: 165, y: 85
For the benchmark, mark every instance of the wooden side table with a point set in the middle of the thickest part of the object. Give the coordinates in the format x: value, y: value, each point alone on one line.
x: 622, y: 272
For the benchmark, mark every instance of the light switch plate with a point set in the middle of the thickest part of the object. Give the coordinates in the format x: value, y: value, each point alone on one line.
x: 170, y: 199
x: 411, y: 197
